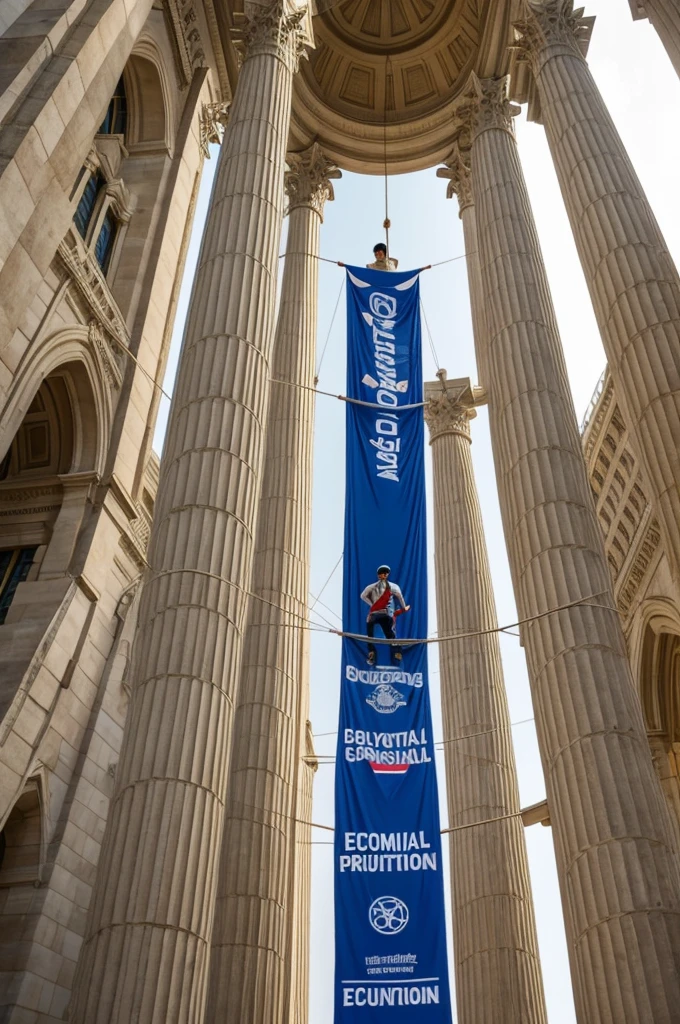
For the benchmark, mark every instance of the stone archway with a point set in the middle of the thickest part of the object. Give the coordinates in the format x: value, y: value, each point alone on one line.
x: 659, y: 680
x: 47, y: 476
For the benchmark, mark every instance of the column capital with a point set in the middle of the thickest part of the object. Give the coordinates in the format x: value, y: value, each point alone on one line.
x: 276, y: 28
x: 458, y: 171
x: 450, y: 405
x: 551, y: 28
x: 212, y: 121
x: 308, y: 179
x: 485, y: 104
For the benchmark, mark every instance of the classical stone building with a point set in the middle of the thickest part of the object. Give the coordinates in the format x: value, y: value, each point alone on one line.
x: 156, y: 761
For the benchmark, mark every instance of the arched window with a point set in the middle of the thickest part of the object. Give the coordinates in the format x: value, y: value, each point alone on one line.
x: 88, y: 202
x: 21, y: 843
x: 115, y: 122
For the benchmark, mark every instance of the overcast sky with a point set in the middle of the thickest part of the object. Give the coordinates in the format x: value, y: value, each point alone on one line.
x: 643, y: 95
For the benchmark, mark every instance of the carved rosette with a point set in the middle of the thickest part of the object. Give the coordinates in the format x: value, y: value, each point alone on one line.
x: 457, y: 170
x: 308, y: 180
x: 446, y: 415
x: 212, y: 122
x: 485, y: 104
x: 276, y: 29
x: 551, y: 28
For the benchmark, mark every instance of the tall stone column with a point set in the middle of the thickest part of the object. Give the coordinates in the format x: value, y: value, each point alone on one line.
x: 253, y: 949
x: 498, y: 975
x: 633, y: 282
x: 665, y: 17
x: 619, y: 872
x: 146, y: 953
x: 457, y: 170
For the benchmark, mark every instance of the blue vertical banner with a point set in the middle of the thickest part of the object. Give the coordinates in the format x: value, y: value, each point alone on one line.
x: 390, y: 935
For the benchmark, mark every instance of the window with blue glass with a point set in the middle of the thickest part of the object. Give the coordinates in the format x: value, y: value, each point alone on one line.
x: 88, y: 202
x: 115, y: 122
x: 14, y: 568
x: 104, y: 244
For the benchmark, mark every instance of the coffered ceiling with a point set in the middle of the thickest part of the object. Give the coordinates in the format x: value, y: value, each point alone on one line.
x: 385, y: 74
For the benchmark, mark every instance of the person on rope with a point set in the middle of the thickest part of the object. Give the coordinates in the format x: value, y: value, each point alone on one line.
x: 381, y: 260
x: 382, y: 598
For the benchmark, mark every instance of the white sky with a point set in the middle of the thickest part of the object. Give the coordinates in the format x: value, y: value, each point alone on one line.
x: 643, y: 94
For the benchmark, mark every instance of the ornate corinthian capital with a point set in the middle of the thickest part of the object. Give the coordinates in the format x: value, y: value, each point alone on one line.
x: 276, y: 28
x: 484, y: 105
x: 457, y: 170
x: 551, y: 28
x: 212, y: 122
x: 450, y: 405
x: 308, y: 180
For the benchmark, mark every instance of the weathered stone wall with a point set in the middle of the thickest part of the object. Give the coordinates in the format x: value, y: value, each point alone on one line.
x: 82, y: 353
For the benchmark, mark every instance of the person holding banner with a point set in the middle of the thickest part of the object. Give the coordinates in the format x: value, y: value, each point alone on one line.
x: 381, y: 260
x: 382, y: 597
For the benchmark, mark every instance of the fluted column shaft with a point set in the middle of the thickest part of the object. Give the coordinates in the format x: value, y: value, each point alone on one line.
x: 633, y: 282
x: 498, y: 976
x: 252, y: 953
x: 146, y: 953
x: 619, y: 873
x: 665, y: 17
x: 457, y: 171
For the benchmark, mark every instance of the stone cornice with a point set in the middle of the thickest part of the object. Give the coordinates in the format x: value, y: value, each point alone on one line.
x: 458, y: 172
x: 277, y: 29
x: 485, y: 105
x: 308, y: 180
x: 549, y: 29
x: 450, y: 405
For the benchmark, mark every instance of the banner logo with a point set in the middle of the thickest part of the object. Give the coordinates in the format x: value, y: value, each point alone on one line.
x: 386, y: 700
x: 388, y: 915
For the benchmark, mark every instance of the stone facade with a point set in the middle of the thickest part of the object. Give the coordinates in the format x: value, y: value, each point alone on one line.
x: 100, y: 160
x: 644, y: 590
x: 107, y: 113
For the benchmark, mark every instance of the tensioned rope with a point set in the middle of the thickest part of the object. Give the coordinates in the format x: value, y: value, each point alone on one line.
x: 126, y: 351
x: 411, y: 641
x: 339, y: 263
x: 328, y: 336
x: 328, y: 579
x: 429, y: 335
x: 442, y: 743
x: 344, y: 398
x: 329, y: 828
x: 387, y: 224
x: 406, y: 641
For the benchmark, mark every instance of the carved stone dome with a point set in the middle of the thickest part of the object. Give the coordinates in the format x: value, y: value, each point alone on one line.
x: 386, y: 72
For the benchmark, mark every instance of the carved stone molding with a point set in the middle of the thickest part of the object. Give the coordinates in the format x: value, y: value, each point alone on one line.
x: 550, y: 28
x: 123, y: 201
x: 126, y: 599
x: 29, y: 500
x: 457, y: 170
x: 276, y: 28
x: 450, y: 405
x: 84, y: 272
x: 97, y: 338
x: 212, y: 122
x: 186, y: 38
x: 308, y: 180
x: 629, y: 583
x: 485, y: 104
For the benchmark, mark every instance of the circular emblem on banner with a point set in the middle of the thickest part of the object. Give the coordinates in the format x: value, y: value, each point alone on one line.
x: 388, y: 915
x: 386, y: 699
